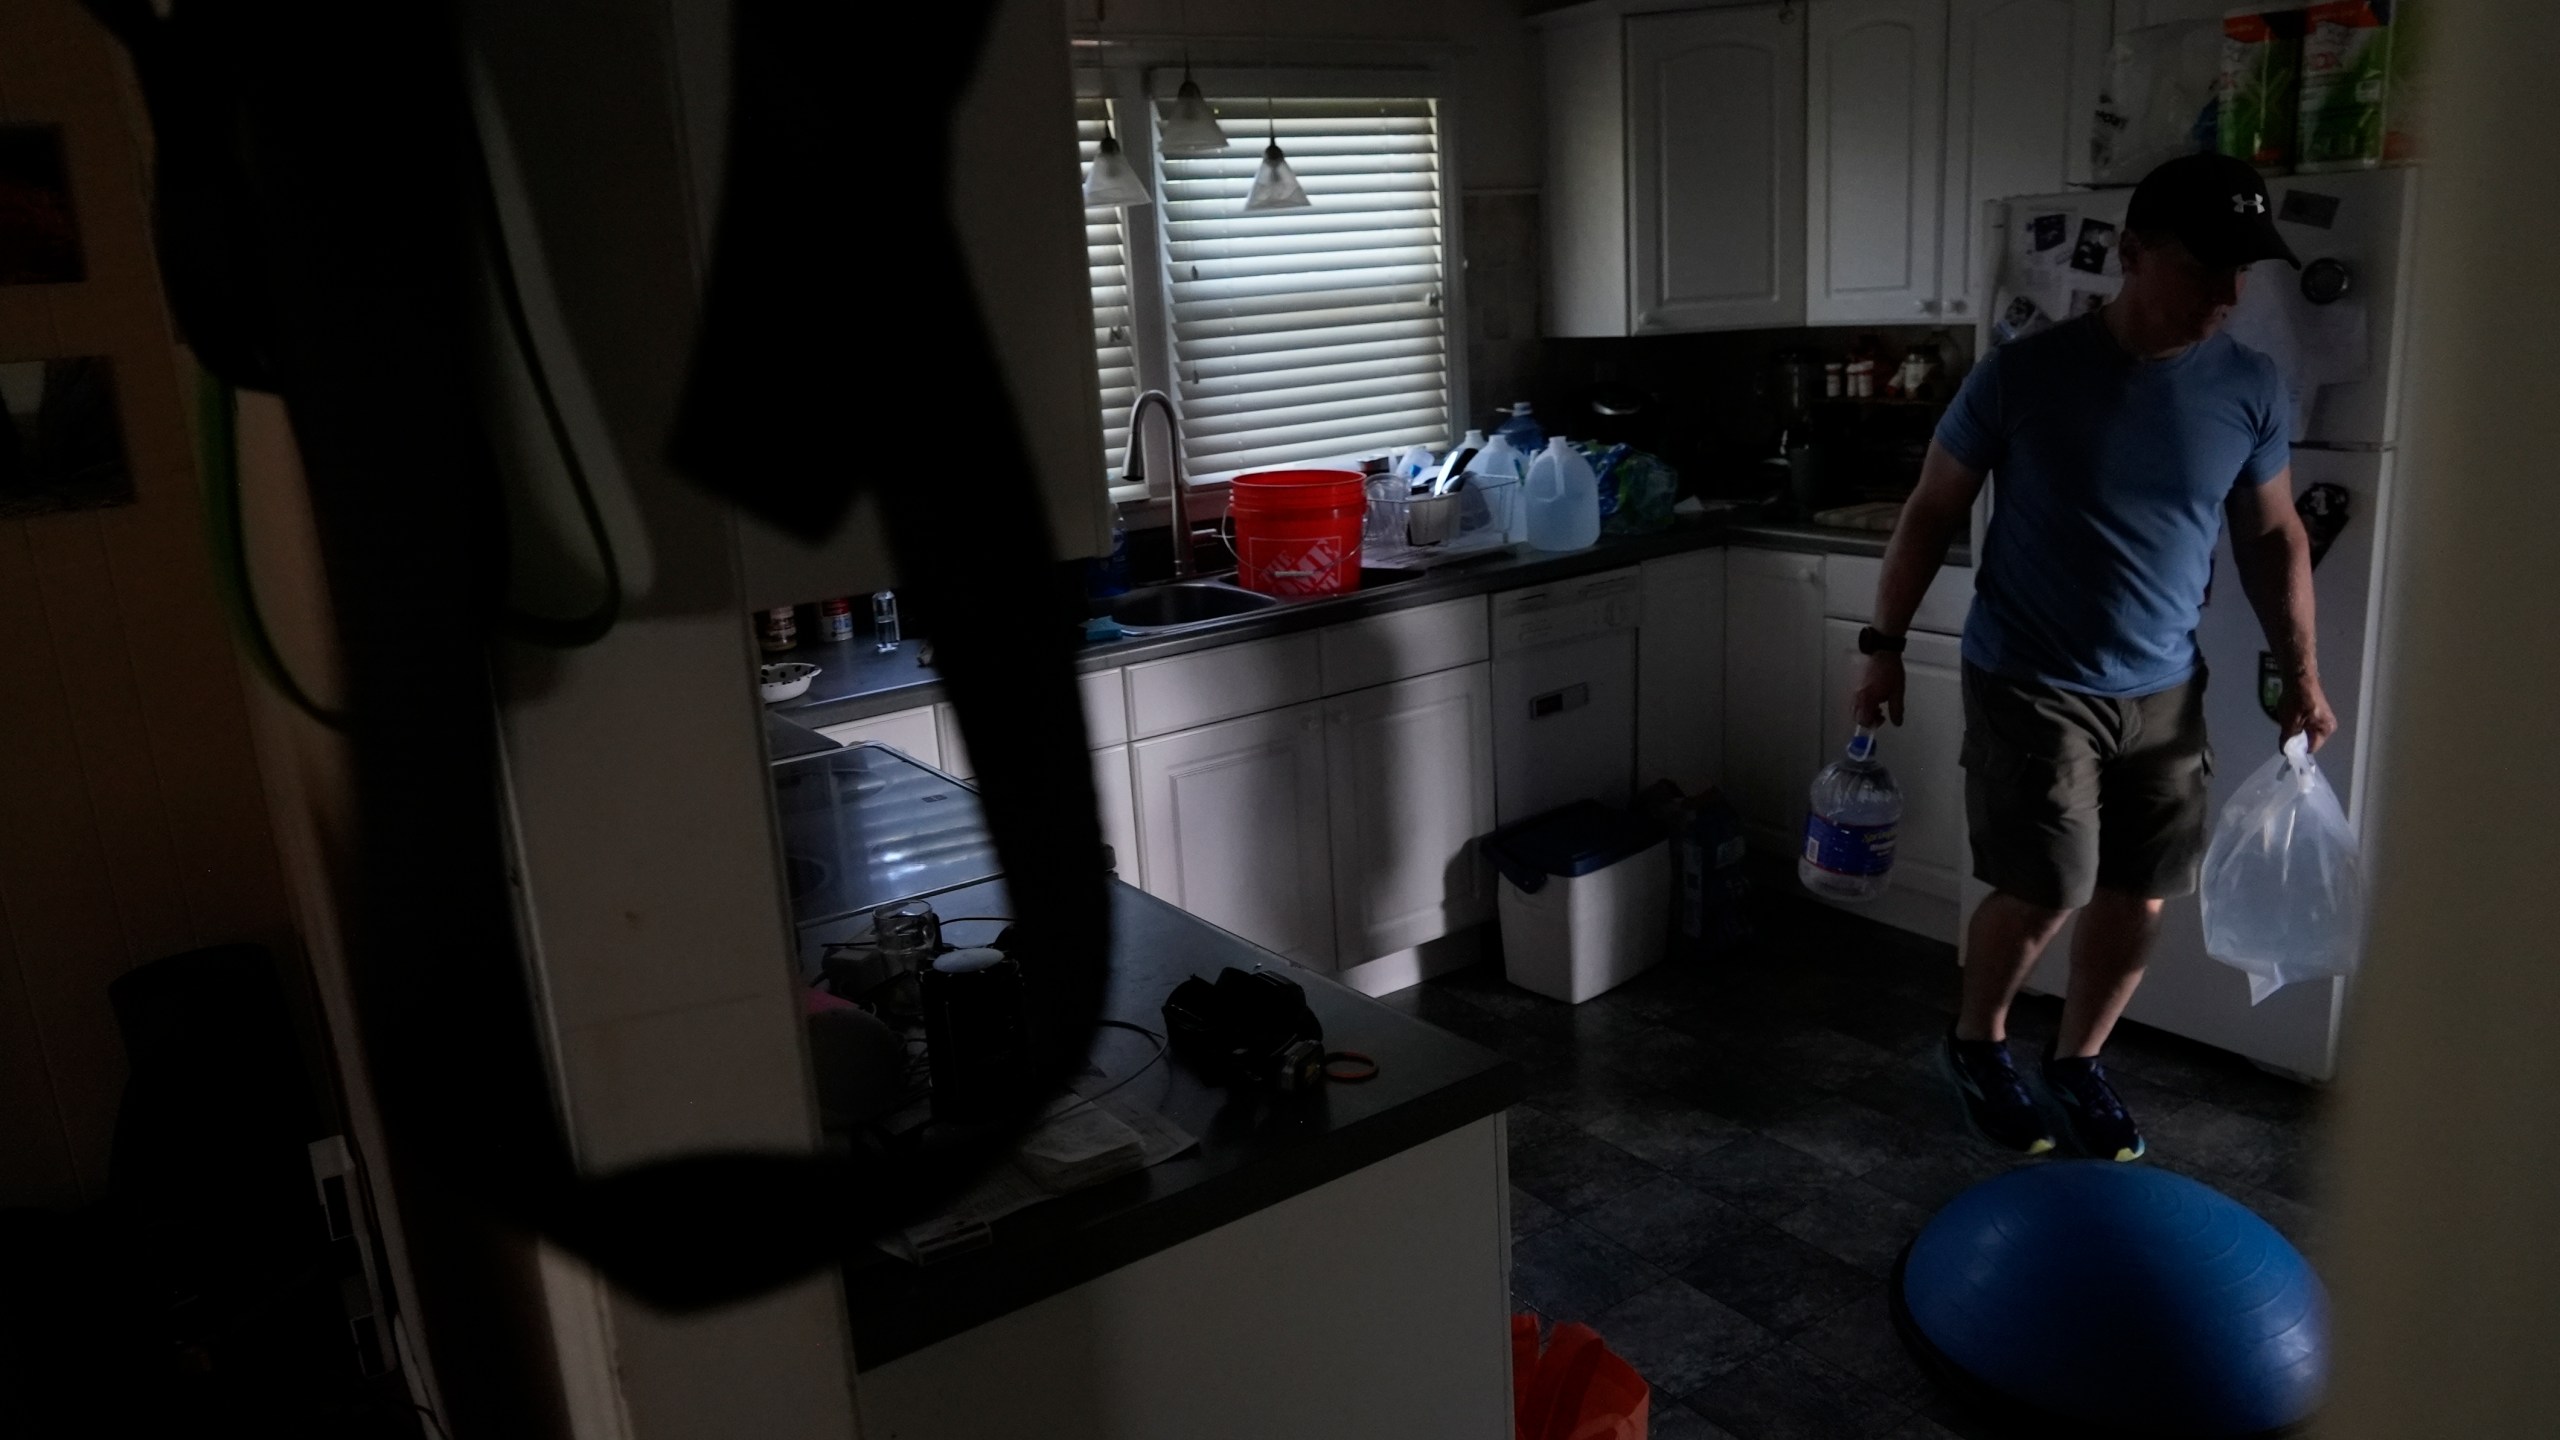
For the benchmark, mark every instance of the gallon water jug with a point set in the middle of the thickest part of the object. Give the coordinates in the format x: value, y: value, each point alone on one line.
x: 1495, y: 475
x: 1563, y: 496
x: 1849, y: 833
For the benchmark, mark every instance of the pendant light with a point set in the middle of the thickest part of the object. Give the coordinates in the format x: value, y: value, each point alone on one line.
x: 1113, y: 180
x: 1275, y: 185
x: 1191, y: 127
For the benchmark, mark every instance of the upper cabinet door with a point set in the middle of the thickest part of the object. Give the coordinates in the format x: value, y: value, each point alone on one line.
x: 1874, y: 78
x: 1715, y: 165
x: 2022, y: 86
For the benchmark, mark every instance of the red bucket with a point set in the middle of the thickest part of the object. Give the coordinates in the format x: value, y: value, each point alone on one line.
x: 1298, y: 531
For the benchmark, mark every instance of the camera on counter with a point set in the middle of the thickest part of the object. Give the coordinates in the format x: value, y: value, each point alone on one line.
x: 1251, y: 1029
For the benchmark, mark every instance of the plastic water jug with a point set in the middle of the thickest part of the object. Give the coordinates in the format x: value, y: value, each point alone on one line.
x: 1522, y: 429
x: 1563, y: 497
x: 1496, y: 471
x: 1849, y: 831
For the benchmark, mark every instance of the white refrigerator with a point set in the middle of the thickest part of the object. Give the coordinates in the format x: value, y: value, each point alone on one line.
x: 2341, y: 356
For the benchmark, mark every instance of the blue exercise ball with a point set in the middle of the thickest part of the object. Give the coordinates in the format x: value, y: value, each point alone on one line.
x: 2085, y: 1297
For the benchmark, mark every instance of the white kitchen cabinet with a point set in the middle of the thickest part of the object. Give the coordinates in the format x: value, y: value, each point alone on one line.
x: 1774, y: 726
x: 1849, y: 593
x: 1875, y: 80
x: 916, y: 734
x: 1115, y: 800
x: 1680, y: 672
x: 1409, y: 768
x: 1931, y: 856
x: 2022, y: 86
x: 1584, y: 202
x: 1715, y: 165
x: 1232, y: 827
x: 1221, y: 684
x: 1106, y: 721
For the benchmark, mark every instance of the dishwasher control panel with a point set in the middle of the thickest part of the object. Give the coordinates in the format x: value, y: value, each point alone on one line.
x: 1568, y: 610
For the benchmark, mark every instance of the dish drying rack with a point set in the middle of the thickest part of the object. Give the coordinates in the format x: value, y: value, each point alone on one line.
x: 1417, y: 532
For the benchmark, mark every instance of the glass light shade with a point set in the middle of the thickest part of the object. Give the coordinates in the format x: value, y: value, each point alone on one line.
x: 1275, y: 185
x: 1190, y: 128
x: 1112, y: 180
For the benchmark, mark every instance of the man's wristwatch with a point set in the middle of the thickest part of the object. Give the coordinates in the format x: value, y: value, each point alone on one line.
x: 1872, y: 641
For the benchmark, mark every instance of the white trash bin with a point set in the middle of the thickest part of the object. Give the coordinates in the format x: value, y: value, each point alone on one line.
x: 1585, y: 899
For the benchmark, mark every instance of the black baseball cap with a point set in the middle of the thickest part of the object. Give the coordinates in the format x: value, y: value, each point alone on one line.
x: 2216, y: 205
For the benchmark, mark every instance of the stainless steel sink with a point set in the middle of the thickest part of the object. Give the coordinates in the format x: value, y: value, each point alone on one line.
x: 1163, y: 609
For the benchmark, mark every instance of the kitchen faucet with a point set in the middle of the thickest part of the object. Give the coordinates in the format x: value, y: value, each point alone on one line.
x: 1134, y: 472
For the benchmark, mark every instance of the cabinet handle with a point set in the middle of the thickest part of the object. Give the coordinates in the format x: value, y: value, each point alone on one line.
x: 1955, y: 307
x: 1928, y: 307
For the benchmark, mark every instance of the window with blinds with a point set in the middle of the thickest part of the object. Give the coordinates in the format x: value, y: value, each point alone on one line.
x: 1106, y: 255
x: 1308, y: 334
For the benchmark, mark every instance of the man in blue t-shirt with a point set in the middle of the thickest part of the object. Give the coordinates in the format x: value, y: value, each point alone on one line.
x: 2121, y: 442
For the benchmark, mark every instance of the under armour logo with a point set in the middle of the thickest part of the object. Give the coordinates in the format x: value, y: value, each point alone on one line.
x: 2245, y: 203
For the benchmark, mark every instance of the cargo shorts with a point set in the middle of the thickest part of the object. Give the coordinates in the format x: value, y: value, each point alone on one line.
x: 2066, y: 792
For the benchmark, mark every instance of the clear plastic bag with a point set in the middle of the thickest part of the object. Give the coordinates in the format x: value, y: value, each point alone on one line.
x: 2283, y: 891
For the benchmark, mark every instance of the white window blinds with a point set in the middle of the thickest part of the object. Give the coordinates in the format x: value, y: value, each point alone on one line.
x: 1306, y: 334
x: 1106, y: 260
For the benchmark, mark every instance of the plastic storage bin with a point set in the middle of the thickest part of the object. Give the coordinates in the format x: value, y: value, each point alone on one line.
x: 1584, y: 900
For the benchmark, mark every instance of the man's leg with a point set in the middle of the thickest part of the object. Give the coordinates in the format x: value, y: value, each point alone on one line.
x: 2107, y: 955
x: 2003, y: 943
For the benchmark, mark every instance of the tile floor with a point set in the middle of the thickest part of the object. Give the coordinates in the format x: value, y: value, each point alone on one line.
x: 1720, y: 1161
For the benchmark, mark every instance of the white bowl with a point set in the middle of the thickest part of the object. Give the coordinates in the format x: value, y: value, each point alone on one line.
x: 786, y: 681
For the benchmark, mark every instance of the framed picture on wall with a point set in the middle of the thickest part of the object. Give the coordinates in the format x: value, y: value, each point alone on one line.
x: 39, y: 244
x: 61, y: 440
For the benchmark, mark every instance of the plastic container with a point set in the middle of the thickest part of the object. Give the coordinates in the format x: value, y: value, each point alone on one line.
x: 1584, y: 900
x: 1562, y: 496
x: 1522, y: 429
x: 1849, y: 829
x: 1498, y: 463
x: 1298, y: 531
x: 1462, y: 456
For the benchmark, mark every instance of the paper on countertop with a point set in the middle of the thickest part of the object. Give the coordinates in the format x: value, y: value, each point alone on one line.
x: 1084, y: 1143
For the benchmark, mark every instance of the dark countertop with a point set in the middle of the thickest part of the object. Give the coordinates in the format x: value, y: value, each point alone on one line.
x: 1249, y: 1157
x: 857, y: 681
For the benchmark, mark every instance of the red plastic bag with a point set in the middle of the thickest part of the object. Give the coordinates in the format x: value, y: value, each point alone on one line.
x: 1577, y: 1390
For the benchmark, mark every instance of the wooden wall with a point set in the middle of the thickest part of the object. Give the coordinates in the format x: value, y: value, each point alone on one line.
x: 132, y: 821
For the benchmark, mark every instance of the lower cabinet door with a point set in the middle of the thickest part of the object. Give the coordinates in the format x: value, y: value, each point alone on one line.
x: 1232, y: 828
x: 1410, y: 767
x: 1116, y: 801
x: 1930, y: 850
x: 1777, y: 729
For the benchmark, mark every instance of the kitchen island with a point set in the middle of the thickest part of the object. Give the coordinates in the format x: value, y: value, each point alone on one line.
x: 1337, y: 1264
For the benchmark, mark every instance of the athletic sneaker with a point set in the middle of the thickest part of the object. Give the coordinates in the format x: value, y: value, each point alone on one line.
x: 1996, y: 1103
x: 2098, y: 1118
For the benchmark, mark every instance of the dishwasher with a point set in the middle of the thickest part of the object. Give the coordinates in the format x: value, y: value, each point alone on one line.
x: 1564, y: 693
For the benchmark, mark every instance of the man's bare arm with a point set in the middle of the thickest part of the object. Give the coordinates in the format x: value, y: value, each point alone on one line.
x: 2273, y: 556
x: 1940, y: 508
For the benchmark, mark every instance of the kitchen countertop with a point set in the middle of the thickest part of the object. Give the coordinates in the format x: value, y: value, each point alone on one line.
x: 1251, y: 1155
x: 857, y: 682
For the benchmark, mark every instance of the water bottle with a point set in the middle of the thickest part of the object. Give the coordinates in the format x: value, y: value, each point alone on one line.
x: 1563, y: 496
x: 1522, y: 429
x: 1849, y: 833
x: 1494, y: 475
